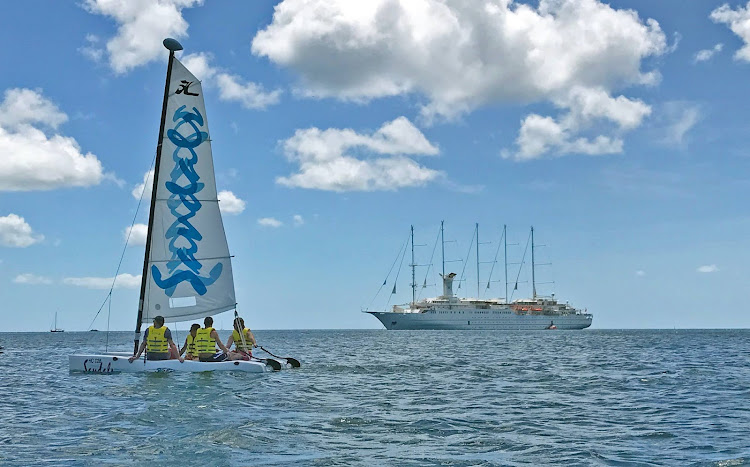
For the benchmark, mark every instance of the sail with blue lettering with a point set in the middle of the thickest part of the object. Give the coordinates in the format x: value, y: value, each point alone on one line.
x: 189, y: 267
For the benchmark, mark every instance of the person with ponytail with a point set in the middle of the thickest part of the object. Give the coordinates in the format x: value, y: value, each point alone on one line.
x: 243, y: 341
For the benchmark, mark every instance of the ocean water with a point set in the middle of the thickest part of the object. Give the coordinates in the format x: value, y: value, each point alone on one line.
x: 392, y: 398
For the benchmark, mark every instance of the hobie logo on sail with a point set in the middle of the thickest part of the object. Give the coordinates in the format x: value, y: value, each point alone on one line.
x: 185, y: 87
x: 184, y: 204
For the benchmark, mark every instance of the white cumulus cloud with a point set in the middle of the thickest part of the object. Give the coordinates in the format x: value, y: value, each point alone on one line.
x: 33, y: 159
x: 91, y: 50
x: 585, y: 106
x: 135, y: 235
x: 142, y: 25
x: 739, y: 22
x: 231, y: 87
x: 247, y: 93
x: 270, y: 222
x: 124, y: 281
x: 298, y: 220
x: 326, y: 161
x: 463, y: 55
x: 229, y: 203
x: 708, y: 268
x: 31, y: 279
x: 707, y: 54
x: 640, y: 273
x: 28, y: 107
x: 147, y: 184
x: 15, y: 232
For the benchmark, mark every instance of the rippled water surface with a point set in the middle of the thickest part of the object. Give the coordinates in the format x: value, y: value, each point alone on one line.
x: 397, y: 398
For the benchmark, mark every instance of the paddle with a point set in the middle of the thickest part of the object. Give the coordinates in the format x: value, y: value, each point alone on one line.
x: 272, y: 363
x: 292, y: 361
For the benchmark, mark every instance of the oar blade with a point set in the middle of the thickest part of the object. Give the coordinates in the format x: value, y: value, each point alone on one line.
x: 293, y: 361
x: 273, y: 364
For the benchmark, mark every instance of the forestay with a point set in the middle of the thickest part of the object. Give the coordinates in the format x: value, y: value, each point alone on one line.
x: 189, y: 272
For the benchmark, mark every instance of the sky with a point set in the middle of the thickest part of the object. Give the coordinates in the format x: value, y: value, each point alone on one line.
x: 617, y: 130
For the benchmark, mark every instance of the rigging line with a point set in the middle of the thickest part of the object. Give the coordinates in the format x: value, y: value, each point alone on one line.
x: 124, y: 248
x: 494, y: 261
x: 400, y: 266
x: 548, y: 258
x: 176, y: 338
x: 520, y: 267
x: 241, y: 333
x: 389, y: 274
x: 430, y: 264
x: 467, y: 258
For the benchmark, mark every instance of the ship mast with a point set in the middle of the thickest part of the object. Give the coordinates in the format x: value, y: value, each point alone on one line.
x: 442, y: 244
x: 505, y: 240
x: 173, y: 46
x: 478, y: 292
x: 533, y: 280
x: 413, y: 273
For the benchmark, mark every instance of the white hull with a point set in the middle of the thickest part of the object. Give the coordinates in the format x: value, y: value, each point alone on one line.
x: 105, y: 364
x: 485, y: 320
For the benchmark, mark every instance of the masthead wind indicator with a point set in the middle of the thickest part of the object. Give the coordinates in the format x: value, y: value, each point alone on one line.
x: 172, y: 44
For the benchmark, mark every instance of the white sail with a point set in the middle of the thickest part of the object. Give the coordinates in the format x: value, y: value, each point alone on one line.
x: 189, y: 270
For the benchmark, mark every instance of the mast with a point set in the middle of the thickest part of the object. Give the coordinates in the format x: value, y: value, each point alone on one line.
x: 478, y: 292
x: 533, y: 281
x: 505, y: 239
x: 173, y: 46
x: 442, y: 244
x: 413, y: 266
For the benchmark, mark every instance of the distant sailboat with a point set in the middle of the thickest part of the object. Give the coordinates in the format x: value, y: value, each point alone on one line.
x: 187, y: 269
x: 54, y: 326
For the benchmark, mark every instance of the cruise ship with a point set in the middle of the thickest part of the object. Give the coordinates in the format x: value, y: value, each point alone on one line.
x: 450, y: 312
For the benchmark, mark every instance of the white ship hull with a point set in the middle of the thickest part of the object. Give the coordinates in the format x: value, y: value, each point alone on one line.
x: 107, y: 364
x: 480, y: 320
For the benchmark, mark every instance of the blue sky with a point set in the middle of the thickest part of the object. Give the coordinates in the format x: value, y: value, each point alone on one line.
x: 617, y: 130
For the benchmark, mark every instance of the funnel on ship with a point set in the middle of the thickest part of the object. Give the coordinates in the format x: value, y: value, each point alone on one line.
x: 448, y: 284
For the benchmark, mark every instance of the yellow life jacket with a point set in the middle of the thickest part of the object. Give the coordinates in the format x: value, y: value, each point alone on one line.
x: 190, y: 345
x: 156, y: 342
x: 245, y: 346
x: 204, y: 343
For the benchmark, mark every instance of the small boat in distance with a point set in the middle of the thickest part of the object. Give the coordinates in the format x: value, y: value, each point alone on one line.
x: 450, y: 312
x: 54, y: 326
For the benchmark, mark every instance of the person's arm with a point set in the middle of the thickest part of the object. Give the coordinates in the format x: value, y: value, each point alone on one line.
x: 140, y: 351
x: 173, y: 346
x: 184, y: 347
x: 252, y: 338
x: 230, y: 340
x: 215, y: 335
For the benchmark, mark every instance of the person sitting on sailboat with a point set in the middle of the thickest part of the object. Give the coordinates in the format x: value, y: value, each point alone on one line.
x: 190, y: 343
x: 206, y: 340
x: 158, y: 343
x: 243, y: 340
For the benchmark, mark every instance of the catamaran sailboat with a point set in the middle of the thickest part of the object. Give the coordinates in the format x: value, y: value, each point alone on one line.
x: 187, y: 269
x: 450, y: 312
